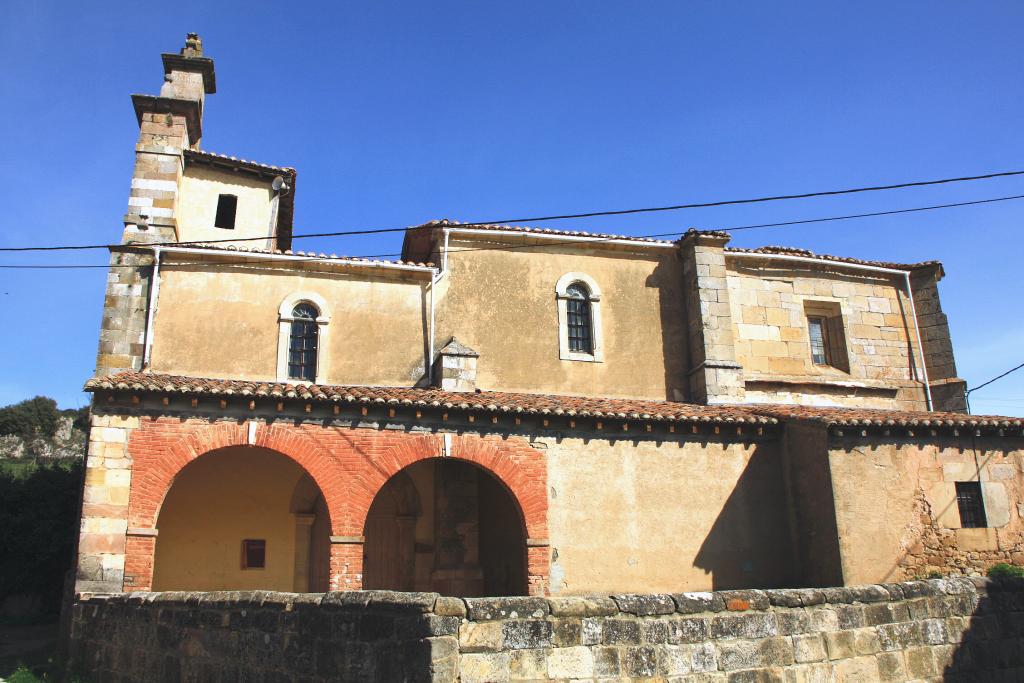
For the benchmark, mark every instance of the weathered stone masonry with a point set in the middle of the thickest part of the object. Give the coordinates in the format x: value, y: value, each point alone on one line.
x: 949, y: 630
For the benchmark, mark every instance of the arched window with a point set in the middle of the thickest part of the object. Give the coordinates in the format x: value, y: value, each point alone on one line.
x: 581, y: 337
x: 303, y: 319
x: 579, y: 318
x: 302, y: 343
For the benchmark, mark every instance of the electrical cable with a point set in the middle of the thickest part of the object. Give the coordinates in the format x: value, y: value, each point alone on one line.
x: 571, y: 216
x: 597, y: 239
x: 985, y: 384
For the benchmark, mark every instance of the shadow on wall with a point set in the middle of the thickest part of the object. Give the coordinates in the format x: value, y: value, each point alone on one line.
x: 749, y: 546
x: 992, y: 646
x: 667, y: 278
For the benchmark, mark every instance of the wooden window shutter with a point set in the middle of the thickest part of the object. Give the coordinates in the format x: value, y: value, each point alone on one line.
x: 837, y: 343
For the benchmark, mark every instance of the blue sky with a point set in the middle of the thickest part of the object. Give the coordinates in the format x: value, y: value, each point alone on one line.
x: 398, y: 112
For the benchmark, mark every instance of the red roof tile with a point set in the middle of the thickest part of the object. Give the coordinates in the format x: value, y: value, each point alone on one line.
x: 484, y: 401
x: 547, y: 404
x: 876, y: 417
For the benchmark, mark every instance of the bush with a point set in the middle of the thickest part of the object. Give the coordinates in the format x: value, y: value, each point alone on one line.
x: 1002, y: 570
x: 30, y: 418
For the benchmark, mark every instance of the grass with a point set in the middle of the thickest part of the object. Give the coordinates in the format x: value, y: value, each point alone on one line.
x: 23, y: 674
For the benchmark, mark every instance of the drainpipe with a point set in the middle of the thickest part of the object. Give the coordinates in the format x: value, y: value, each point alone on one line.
x: 920, y: 343
x: 434, y: 277
x: 279, y: 187
x: 877, y: 269
x: 444, y: 253
x: 154, y: 292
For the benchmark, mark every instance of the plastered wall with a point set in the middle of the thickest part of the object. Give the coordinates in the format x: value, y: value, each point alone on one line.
x: 215, y: 503
x: 222, y: 322
x: 501, y: 303
x: 197, y: 207
x: 769, y: 312
x: 645, y: 515
x: 896, y: 508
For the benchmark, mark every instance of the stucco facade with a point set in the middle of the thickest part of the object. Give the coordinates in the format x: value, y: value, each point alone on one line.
x: 514, y: 410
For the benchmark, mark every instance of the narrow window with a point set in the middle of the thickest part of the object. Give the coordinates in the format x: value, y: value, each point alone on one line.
x: 254, y: 554
x: 302, y: 344
x: 227, y: 204
x: 579, y: 319
x: 972, y: 507
x: 818, y: 330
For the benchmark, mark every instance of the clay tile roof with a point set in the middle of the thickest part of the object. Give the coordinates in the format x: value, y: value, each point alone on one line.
x: 865, y: 417
x: 446, y: 223
x: 484, y: 401
x: 203, y: 155
x: 308, y: 254
x: 806, y: 253
x: 546, y: 404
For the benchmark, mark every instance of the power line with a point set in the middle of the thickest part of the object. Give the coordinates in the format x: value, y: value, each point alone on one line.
x: 571, y: 216
x: 600, y: 239
x: 750, y: 227
x: 985, y: 384
x: 805, y: 195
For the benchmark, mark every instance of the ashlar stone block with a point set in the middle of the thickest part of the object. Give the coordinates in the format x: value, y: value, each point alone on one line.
x: 571, y: 662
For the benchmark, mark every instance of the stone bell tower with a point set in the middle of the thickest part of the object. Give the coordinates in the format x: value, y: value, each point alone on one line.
x: 169, y: 123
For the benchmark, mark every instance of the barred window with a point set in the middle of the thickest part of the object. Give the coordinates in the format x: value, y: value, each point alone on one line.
x: 972, y: 507
x: 302, y: 343
x: 579, y: 319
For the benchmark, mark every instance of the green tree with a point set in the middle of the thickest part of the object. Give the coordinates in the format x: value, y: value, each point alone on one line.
x: 32, y: 417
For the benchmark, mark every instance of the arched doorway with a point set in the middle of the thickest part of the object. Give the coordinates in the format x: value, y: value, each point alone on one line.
x: 445, y: 525
x: 242, y: 518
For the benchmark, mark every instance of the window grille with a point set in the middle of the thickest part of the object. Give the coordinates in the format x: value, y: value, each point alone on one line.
x: 302, y: 344
x: 579, y: 318
x: 972, y: 507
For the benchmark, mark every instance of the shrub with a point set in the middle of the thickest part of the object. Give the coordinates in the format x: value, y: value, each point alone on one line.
x: 1002, y: 570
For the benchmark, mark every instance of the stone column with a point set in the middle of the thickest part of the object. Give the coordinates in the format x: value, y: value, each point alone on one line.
x: 947, y: 388
x: 102, y: 541
x: 715, y: 376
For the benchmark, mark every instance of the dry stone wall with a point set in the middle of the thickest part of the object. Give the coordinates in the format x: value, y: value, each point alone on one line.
x: 946, y: 629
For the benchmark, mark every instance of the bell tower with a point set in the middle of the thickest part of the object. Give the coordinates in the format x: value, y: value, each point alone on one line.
x: 169, y: 124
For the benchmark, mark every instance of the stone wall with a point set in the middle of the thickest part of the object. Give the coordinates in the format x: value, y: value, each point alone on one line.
x: 947, y: 629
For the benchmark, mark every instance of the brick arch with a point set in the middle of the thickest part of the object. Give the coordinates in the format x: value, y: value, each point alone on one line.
x: 163, y: 448
x: 521, y: 470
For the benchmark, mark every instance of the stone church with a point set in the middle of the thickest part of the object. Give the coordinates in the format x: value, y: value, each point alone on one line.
x: 510, y: 410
